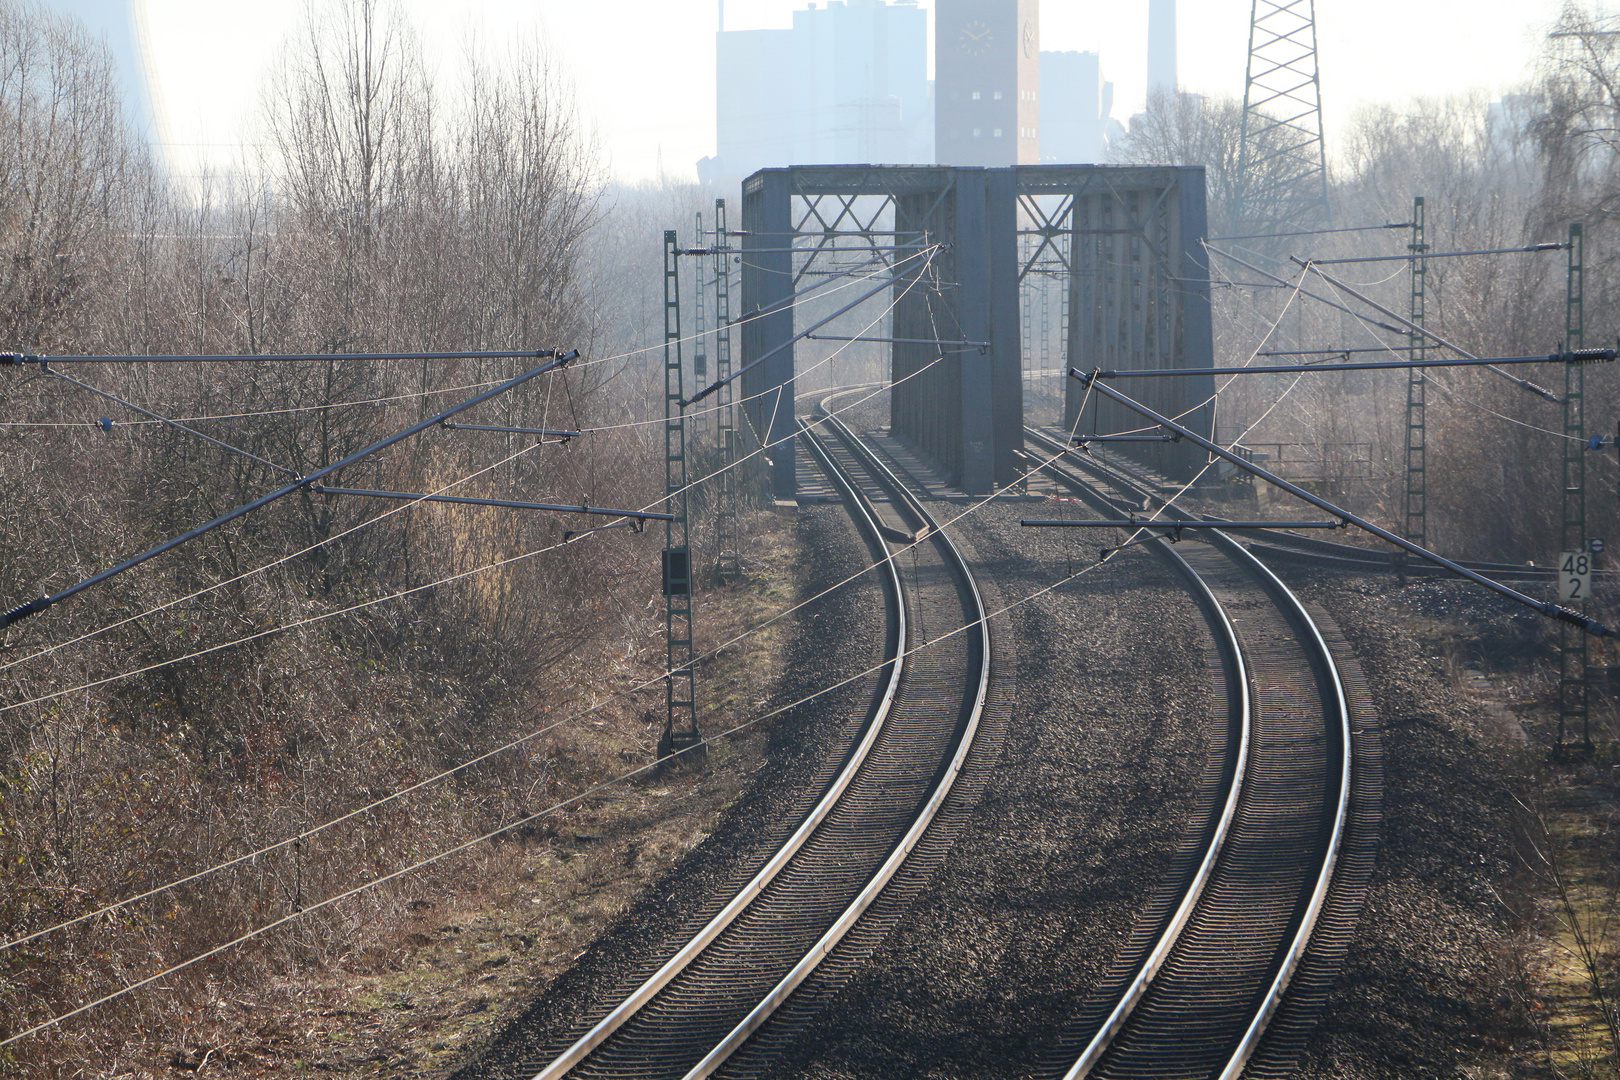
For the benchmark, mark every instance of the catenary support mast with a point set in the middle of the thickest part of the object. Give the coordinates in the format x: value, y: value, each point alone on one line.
x: 1572, y: 703
x: 728, y: 532
x: 1417, y: 480
x: 680, y: 724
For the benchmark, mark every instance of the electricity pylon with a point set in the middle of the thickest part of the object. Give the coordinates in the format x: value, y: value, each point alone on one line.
x: 1282, y: 160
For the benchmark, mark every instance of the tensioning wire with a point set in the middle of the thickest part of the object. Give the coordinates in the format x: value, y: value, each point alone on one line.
x: 363, y: 604
x: 1452, y: 393
x: 487, y: 837
x: 406, y: 506
x: 526, y: 738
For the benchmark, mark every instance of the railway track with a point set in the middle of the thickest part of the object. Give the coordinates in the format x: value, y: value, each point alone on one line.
x: 717, y: 1005
x: 1225, y: 970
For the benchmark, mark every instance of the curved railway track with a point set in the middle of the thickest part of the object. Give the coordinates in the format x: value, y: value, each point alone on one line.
x: 726, y: 986
x: 1259, y: 893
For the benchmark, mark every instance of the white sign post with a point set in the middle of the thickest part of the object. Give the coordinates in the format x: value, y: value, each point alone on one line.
x: 1574, y: 576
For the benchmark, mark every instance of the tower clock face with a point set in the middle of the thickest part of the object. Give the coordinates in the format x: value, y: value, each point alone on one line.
x: 975, y: 37
x: 1029, y: 39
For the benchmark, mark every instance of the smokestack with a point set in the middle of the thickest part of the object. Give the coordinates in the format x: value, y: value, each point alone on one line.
x: 1161, y: 47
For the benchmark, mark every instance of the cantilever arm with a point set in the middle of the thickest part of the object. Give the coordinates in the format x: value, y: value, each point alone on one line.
x: 1552, y: 611
x: 32, y: 607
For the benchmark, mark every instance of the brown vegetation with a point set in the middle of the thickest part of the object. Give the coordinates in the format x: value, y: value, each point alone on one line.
x: 281, y: 672
x: 1501, y: 175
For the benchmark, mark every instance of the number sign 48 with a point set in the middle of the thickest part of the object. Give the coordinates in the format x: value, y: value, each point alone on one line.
x: 1574, y: 575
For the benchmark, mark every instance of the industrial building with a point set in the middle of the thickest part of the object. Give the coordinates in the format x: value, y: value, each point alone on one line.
x: 120, y: 25
x: 1076, y: 112
x: 987, y: 72
x: 1161, y: 62
x: 848, y: 82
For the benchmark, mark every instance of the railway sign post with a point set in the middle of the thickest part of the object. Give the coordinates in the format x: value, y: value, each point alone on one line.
x: 1574, y: 576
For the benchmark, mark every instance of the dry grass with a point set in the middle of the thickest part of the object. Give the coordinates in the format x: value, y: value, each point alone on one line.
x: 401, y: 986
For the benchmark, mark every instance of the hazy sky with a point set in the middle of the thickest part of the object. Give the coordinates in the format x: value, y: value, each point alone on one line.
x: 645, y: 68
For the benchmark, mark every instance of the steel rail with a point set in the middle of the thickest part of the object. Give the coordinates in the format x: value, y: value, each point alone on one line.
x: 1313, y: 912
x: 1296, y: 615
x: 1233, y: 648
x: 1552, y: 611
x: 728, y: 915
x: 891, y: 866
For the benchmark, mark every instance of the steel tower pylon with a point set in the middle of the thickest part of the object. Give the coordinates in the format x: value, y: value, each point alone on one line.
x: 1572, y: 687
x: 680, y: 725
x: 728, y: 558
x: 1282, y: 159
x: 1417, y: 389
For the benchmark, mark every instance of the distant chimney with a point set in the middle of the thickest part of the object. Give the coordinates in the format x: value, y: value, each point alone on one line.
x: 1161, y: 68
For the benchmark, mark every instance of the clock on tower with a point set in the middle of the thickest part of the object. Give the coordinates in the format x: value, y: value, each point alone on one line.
x: 987, y: 81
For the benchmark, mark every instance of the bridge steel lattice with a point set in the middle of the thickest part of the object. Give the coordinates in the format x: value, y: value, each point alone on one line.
x: 1126, y: 239
x: 1139, y: 295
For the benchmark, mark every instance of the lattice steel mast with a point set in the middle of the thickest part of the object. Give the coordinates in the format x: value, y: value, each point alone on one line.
x: 728, y: 533
x: 680, y: 725
x: 1282, y: 159
x: 1572, y: 703
x: 1417, y: 481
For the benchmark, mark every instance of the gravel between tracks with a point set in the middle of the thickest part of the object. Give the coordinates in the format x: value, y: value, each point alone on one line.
x: 1097, y: 777
x: 1078, y: 822
x: 1079, y: 818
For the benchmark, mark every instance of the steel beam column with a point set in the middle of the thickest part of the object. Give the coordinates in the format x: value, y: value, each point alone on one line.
x: 1003, y: 366
x: 973, y: 277
x: 767, y: 280
x: 1197, y: 331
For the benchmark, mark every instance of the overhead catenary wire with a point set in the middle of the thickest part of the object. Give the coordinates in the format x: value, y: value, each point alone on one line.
x: 510, y: 504
x: 449, y: 772
x: 1414, y: 328
x: 273, y: 412
x: 946, y: 525
x: 171, y: 423
x: 465, y: 846
x: 468, y: 845
x: 260, y: 931
x: 19, y: 358
x: 50, y: 649
x: 735, y: 464
x: 1304, y: 292
x: 33, y: 607
x: 1439, y: 255
x: 649, y: 683
x: 772, y: 352
x: 1550, y: 610
x: 1452, y: 393
x: 8, y: 359
x: 1313, y: 232
x: 1578, y: 356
